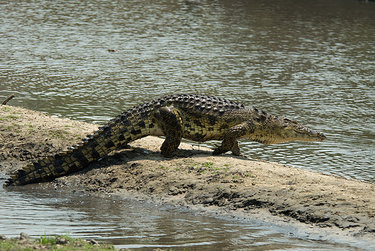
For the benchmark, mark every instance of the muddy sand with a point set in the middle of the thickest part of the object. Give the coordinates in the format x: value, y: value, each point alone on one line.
x: 194, y: 178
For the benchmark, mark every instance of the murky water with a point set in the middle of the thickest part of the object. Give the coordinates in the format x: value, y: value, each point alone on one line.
x: 313, y: 61
x: 134, y: 224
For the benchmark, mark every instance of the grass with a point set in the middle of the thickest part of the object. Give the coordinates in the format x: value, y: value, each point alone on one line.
x: 6, y: 109
x: 14, y: 127
x: 58, y: 134
x: 206, y: 167
x: 212, y: 168
x: 12, y: 117
x: 64, y: 134
x: 207, y: 164
x: 55, y: 243
x: 163, y: 167
x: 63, y: 243
x: 9, y: 117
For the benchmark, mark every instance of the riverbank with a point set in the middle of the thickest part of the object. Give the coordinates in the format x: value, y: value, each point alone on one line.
x: 226, y: 184
x: 24, y: 242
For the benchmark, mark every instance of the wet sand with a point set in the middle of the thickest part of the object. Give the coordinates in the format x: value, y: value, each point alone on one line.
x: 224, y: 185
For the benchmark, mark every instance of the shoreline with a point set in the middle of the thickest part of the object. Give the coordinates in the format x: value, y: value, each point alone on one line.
x: 226, y: 185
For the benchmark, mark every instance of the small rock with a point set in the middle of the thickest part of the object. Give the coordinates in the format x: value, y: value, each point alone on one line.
x: 61, y: 241
x: 2, y: 237
x: 93, y: 242
x: 174, y: 191
x: 24, y: 236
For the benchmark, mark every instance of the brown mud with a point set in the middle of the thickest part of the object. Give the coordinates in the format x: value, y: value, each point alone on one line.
x: 228, y: 184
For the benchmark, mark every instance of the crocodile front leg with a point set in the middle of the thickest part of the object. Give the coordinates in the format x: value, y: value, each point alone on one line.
x: 230, y: 142
x: 170, y: 122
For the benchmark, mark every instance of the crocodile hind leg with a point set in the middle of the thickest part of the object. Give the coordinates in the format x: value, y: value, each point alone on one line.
x: 230, y: 142
x: 170, y: 122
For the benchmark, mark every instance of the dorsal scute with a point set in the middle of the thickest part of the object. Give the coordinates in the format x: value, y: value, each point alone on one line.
x: 201, y: 103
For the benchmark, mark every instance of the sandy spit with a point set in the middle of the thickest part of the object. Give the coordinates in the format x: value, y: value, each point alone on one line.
x: 194, y: 178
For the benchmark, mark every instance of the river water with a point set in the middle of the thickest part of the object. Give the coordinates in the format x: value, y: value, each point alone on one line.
x: 134, y: 224
x: 313, y: 61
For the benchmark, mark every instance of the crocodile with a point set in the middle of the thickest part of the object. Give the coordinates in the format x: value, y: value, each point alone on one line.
x: 195, y: 117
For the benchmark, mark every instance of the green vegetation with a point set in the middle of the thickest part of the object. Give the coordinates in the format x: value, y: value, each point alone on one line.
x: 52, y: 243
x: 14, y: 127
x: 64, y: 134
x: 204, y: 167
x: 163, y: 167
x: 6, y: 109
x: 207, y: 164
x: 58, y: 134
x: 12, y: 117
x: 208, y: 167
x: 77, y: 137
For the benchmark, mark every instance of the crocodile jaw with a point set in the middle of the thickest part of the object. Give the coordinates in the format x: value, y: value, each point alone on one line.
x: 279, y: 130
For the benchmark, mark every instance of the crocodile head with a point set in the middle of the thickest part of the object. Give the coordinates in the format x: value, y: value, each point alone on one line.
x: 278, y: 130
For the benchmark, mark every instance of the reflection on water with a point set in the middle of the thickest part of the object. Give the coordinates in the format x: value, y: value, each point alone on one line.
x: 313, y: 61
x: 133, y: 224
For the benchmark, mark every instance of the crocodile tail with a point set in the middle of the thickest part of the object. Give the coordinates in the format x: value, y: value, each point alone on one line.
x: 92, y: 148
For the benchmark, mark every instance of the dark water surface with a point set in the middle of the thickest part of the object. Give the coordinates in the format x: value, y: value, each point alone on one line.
x: 135, y: 224
x: 313, y: 61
